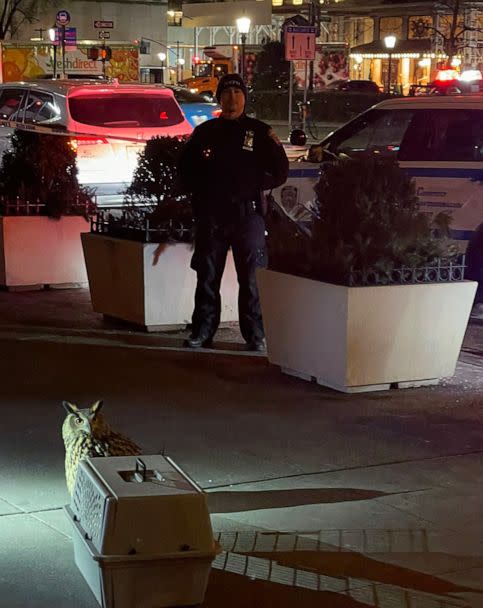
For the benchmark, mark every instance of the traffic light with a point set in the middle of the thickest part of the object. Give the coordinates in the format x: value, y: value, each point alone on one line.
x: 93, y: 53
x: 105, y: 53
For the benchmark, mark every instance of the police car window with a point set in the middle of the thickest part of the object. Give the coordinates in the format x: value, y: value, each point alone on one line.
x: 443, y: 134
x: 40, y: 107
x: 377, y: 131
x: 10, y: 103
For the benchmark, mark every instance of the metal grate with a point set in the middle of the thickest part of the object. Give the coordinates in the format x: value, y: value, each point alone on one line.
x: 19, y: 206
x: 442, y: 271
x: 142, y: 229
x: 381, y: 595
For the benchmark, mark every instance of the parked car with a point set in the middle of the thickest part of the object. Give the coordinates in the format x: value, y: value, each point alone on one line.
x: 195, y: 107
x: 112, y: 121
x: 355, y: 86
x: 438, y: 140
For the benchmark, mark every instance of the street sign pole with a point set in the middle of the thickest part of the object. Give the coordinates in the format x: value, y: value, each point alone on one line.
x: 62, y: 19
x: 304, y: 114
x: 290, y: 94
x: 62, y: 33
x: 299, y: 45
x: 54, y: 75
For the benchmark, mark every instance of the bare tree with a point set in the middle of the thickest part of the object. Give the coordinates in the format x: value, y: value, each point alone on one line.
x: 451, y: 28
x: 14, y: 13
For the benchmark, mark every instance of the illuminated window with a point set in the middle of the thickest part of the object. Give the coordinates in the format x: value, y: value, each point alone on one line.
x: 175, y: 18
x: 277, y: 2
x: 391, y: 25
x: 420, y: 27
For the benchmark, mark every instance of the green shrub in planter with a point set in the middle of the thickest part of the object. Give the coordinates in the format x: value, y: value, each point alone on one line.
x: 155, y: 183
x: 368, y: 220
x: 154, y: 194
x: 42, y: 169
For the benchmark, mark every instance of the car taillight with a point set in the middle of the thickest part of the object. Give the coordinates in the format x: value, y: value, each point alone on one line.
x: 163, y: 116
x: 216, y: 113
x: 86, y: 141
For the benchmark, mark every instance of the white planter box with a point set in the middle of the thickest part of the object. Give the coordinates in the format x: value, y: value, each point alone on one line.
x: 39, y: 251
x: 364, y: 338
x: 147, y: 283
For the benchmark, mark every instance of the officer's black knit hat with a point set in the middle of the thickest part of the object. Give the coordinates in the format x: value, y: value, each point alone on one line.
x: 230, y: 80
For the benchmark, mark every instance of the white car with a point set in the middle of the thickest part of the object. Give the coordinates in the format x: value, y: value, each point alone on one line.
x: 437, y: 140
x: 111, y: 122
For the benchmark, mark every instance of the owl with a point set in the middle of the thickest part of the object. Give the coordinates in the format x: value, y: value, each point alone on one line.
x: 87, y: 434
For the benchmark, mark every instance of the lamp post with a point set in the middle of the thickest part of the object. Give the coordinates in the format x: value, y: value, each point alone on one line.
x: 389, y: 43
x: 52, y: 38
x: 181, y: 62
x: 162, y: 59
x: 243, y: 27
x: 174, y: 54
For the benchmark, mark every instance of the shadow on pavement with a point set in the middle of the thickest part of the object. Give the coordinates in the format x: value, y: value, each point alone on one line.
x: 356, y: 565
x: 231, y: 590
x: 232, y: 502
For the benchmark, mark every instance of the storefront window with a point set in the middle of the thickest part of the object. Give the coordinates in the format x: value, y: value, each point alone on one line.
x: 420, y: 27
x: 391, y: 26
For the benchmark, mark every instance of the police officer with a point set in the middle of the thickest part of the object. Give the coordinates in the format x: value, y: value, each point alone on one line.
x: 226, y: 165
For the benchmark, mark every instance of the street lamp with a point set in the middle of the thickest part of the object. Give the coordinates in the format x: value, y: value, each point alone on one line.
x: 180, y: 68
x: 52, y: 38
x: 162, y: 59
x: 389, y: 43
x: 243, y: 27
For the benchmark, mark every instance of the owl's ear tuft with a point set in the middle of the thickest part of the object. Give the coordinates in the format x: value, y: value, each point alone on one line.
x: 95, y: 407
x: 70, y: 408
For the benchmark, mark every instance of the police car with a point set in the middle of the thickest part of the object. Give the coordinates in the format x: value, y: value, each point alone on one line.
x: 107, y: 123
x: 437, y: 140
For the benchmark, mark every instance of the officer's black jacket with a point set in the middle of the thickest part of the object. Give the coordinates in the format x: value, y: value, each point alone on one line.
x: 227, y: 163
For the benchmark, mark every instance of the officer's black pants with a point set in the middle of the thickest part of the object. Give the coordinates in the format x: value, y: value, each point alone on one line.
x: 246, y: 237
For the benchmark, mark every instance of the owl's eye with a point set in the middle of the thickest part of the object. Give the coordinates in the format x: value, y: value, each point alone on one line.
x: 78, y: 420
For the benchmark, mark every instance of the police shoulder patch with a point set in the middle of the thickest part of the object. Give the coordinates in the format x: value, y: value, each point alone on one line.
x: 274, y: 136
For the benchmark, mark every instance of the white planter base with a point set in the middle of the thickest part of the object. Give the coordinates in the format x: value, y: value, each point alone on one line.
x: 37, y: 251
x: 358, y: 339
x: 369, y: 388
x: 148, y: 284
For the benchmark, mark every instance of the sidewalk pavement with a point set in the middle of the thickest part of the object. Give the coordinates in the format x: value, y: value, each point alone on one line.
x: 318, y: 498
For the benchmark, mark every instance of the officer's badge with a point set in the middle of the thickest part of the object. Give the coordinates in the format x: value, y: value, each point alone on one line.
x: 248, y: 141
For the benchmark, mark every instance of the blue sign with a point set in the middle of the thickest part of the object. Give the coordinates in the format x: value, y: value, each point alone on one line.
x: 70, y: 36
x: 62, y: 18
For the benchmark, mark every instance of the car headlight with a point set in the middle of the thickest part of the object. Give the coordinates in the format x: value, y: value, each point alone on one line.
x: 193, y: 90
